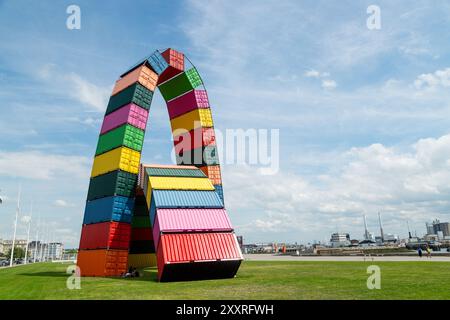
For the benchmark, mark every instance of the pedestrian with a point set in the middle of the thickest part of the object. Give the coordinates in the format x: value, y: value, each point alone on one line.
x: 419, y: 251
x: 428, y: 252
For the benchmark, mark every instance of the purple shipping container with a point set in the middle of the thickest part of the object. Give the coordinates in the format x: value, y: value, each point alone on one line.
x: 130, y: 113
x: 192, y: 100
x: 190, y: 220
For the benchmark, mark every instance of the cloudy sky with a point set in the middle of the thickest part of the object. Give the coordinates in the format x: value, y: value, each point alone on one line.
x: 364, y: 115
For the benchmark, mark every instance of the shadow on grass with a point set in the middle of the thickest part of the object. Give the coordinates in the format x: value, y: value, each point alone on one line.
x: 145, y: 275
x: 45, y: 274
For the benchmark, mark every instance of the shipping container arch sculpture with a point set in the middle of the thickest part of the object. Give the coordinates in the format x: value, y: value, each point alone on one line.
x: 170, y: 216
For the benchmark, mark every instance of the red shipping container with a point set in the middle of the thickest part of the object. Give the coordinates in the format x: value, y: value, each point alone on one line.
x: 105, y: 235
x: 141, y: 234
x: 197, y: 138
x: 194, y: 99
x: 175, y: 60
x: 179, y: 248
x: 213, y: 173
x: 102, y: 263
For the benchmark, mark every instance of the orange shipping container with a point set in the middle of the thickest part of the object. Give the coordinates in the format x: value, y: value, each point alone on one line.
x: 143, y: 75
x: 213, y: 173
x: 102, y: 263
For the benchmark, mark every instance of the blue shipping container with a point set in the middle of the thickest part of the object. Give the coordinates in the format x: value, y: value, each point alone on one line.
x: 183, y: 199
x: 115, y: 208
x: 219, y: 190
x: 158, y: 63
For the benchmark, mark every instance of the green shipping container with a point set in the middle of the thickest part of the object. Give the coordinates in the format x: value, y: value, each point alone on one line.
x: 172, y: 172
x: 205, y: 156
x: 137, y: 94
x: 125, y: 135
x: 140, y: 207
x: 180, y: 84
x: 116, y: 183
x: 141, y: 222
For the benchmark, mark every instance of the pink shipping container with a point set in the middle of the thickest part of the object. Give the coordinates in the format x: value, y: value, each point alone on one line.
x: 130, y: 113
x: 190, y: 220
x: 192, y: 100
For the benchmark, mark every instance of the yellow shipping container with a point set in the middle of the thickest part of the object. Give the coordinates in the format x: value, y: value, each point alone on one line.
x: 122, y: 158
x: 142, y: 260
x: 192, y: 120
x: 176, y: 183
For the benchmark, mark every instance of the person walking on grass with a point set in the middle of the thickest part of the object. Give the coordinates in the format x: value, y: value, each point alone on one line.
x: 419, y: 251
x: 428, y: 252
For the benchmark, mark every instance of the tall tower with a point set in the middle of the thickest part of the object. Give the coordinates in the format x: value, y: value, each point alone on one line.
x: 381, y: 227
x: 366, y: 232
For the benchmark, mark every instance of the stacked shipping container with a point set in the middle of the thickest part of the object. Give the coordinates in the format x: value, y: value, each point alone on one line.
x: 191, y: 234
x: 191, y: 230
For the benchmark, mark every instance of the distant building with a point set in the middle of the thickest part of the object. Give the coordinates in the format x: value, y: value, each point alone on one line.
x: 6, y: 245
x: 55, y: 250
x: 444, y: 227
x: 340, y: 240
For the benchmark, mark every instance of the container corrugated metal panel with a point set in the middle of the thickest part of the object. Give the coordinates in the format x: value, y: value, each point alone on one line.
x: 193, y: 249
x: 130, y: 113
x: 189, y: 247
x: 180, y: 183
x: 197, y: 138
x: 109, y: 209
x: 189, y: 121
x: 143, y: 75
x: 122, y: 158
x: 179, y: 171
x: 205, y: 156
x: 190, y: 220
x: 142, y: 246
x: 157, y: 62
x: 213, y: 174
x: 125, y: 135
x: 141, y: 234
x: 180, y: 84
x: 194, y: 77
x: 219, y: 190
x: 145, y: 260
x: 101, y: 263
x: 106, y: 235
x: 162, y: 199
x: 175, y: 60
x: 189, y: 101
x: 186, y: 199
x: 136, y: 94
x: 116, y: 183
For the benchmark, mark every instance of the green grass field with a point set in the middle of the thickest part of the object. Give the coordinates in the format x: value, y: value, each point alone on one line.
x: 255, y: 280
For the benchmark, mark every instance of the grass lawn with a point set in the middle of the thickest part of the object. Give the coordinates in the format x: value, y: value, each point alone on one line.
x: 255, y: 280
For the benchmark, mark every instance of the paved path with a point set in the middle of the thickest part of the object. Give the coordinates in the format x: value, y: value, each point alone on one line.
x: 270, y: 257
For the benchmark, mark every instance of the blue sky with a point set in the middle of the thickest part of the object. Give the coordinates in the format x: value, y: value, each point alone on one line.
x: 363, y: 114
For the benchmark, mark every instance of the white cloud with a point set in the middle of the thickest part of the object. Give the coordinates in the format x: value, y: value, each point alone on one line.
x: 403, y: 185
x: 440, y: 78
x: 312, y: 74
x: 61, y: 203
x: 329, y: 84
x: 42, y: 166
x: 76, y: 87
